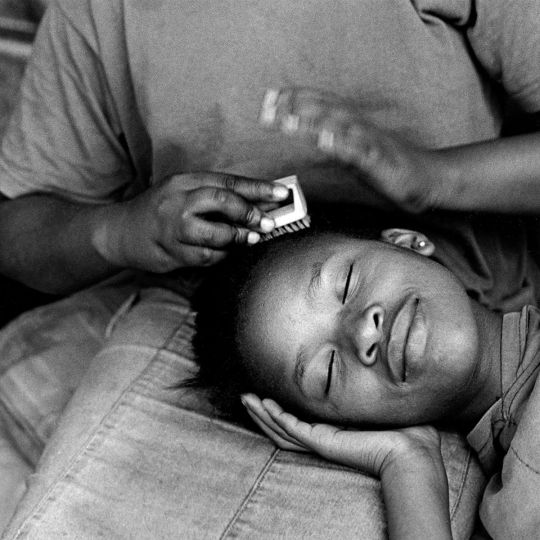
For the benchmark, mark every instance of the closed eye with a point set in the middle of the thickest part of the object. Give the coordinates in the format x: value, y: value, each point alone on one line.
x: 347, y: 284
x: 329, y: 376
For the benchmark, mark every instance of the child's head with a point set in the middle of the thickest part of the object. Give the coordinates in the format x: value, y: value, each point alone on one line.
x: 339, y: 328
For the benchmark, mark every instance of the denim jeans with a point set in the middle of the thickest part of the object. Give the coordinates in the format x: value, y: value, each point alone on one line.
x: 131, y: 457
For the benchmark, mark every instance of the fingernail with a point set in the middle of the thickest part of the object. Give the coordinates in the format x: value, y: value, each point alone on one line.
x: 290, y: 123
x: 280, y: 191
x: 269, y: 107
x: 243, y: 400
x: 325, y: 140
x: 253, y: 237
x: 267, y: 224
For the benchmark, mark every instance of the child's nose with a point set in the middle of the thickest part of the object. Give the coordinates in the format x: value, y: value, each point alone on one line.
x: 366, y: 333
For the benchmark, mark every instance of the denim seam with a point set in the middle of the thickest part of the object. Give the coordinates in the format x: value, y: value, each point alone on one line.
x: 254, y: 488
x: 461, y: 487
x: 89, y: 444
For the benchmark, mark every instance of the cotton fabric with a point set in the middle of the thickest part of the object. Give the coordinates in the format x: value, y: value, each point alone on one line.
x: 507, y: 437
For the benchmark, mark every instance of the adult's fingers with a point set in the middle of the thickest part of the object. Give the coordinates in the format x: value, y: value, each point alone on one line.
x: 248, y: 188
x: 305, y: 110
x: 189, y: 255
x: 217, y: 235
x: 230, y: 205
x: 329, y: 121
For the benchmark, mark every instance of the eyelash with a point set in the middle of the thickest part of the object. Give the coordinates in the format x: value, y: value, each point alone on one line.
x: 333, y: 355
x: 347, y: 284
x: 329, y: 376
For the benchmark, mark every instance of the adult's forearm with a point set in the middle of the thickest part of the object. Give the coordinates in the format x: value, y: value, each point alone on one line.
x: 47, y: 243
x: 494, y: 176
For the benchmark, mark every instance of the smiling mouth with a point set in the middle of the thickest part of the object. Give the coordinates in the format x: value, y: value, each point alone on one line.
x: 407, y: 339
x: 404, y: 357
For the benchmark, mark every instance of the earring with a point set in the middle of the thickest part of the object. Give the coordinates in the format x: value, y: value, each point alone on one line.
x: 419, y: 243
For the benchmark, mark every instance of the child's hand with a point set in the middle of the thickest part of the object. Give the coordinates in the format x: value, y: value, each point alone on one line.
x: 369, y: 451
x: 186, y: 220
x: 407, y: 175
x: 408, y: 461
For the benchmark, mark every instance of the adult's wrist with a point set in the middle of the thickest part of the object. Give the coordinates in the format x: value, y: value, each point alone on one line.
x: 109, y: 226
x: 447, y: 186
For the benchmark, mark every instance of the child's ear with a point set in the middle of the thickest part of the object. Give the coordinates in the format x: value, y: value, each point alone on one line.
x: 410, y: 240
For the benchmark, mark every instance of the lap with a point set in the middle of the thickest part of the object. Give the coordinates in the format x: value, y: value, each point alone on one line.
x: 134, y: 458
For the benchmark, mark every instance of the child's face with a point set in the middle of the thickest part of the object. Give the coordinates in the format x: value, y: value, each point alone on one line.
x: 359, y: 331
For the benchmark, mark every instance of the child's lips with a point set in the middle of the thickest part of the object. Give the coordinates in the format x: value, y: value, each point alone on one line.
x: 415, y: 345
x: 408, y: 338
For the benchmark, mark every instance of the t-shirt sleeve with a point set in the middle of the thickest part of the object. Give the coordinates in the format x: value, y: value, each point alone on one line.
x: 64, y: 135
x: 505, y: 37
x: 511, y: 504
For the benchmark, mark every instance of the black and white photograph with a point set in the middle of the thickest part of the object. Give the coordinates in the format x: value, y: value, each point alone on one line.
x: 270, y: 269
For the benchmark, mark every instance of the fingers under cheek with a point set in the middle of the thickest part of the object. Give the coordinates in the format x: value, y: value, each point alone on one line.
x: 258, y: 413
x: 288, y: 422
x: 272, y: 407
x: 281, y: 439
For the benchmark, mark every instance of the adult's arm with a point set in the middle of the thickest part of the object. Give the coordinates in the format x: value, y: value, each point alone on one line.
x: 56, y: 245
x: 68, y: 164
x: 498, y: 176
x: 46, y: 243
x: 61, y: 160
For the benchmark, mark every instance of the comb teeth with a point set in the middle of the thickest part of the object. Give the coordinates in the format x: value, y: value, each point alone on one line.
x: 289, y: 228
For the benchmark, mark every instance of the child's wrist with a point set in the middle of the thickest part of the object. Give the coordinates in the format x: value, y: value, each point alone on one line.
x: 419, y: 449
x: 419, y: 462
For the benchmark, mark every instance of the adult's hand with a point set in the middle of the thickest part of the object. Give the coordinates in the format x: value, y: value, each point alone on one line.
x: 186, y: 220
x: 407, y: 175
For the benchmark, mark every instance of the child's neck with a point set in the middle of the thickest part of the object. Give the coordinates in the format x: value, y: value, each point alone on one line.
x: 487, y: 382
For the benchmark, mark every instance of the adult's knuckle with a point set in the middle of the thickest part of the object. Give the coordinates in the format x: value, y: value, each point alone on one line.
x: 371, y: 154
x: 163, y: 263
x: 239, y: 236
x: 206, y: 256
x: 230, y: 182
x: 209, y: 235
x: 251, y: 214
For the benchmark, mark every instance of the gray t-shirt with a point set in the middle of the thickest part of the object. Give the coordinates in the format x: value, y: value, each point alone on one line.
x: 127, y: 88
